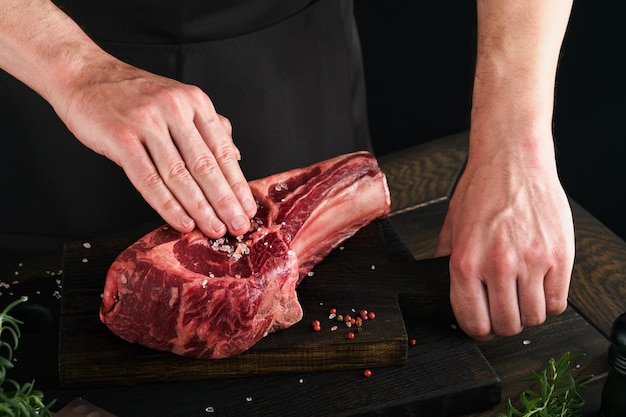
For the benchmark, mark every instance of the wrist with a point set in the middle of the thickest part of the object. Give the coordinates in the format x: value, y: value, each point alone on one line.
x: 511, y: 127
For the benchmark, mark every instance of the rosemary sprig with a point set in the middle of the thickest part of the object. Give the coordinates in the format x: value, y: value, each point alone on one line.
x: 558, y: 393
x: 16, y: 400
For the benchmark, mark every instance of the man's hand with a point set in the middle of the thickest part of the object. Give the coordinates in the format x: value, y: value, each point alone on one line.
x: 509, y: 229
x: 174, y: 147
x: 510, y: 235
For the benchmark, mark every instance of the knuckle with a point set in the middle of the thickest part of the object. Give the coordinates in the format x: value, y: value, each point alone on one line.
x: 204, y: 166
x: 195, y: 95
x: 143, y: 113
x: 507, y: 331
x: 151, y: 181
x: 225, y: 153
x: 478, y: 330
x: 463, y: 266
x: 562, y: 254
x: 239, y: 186
x: 125, y: 134
x: 178, y: 172
x: 226, y: 123
x: 555, y: 305
x: 225, y: 201
x: 171, y: 97
x: 194, y: 91
x: 532, y: 320
x: 170, y: 205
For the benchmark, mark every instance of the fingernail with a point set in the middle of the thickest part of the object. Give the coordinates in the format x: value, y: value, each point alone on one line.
x: 249, y: 206
x: 186, y: 221
x: 239, y: 222
x: 217, y: 225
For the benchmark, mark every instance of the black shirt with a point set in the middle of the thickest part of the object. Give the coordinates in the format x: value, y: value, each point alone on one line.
x: 286, y: 73
x: 177, y: 21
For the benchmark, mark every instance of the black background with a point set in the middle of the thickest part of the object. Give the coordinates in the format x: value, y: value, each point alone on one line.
x: 419, y: 59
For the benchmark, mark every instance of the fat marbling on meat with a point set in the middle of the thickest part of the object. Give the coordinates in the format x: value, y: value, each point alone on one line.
x: 215, y: 298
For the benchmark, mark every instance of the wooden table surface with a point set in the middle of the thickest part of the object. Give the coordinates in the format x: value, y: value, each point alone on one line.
x: 421, y: 181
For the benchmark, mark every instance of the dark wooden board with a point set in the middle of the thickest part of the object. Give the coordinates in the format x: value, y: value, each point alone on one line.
x: 359, y: 274
x: 444, y: 376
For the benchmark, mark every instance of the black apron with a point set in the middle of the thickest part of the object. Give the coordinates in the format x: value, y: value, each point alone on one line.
x: 287, y: 73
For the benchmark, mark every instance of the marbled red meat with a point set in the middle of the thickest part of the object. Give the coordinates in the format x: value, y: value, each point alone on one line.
x: 215, y: 298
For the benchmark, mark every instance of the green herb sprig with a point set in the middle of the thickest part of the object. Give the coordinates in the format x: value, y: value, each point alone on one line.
x: 16, y: 400
x: 558, y: 394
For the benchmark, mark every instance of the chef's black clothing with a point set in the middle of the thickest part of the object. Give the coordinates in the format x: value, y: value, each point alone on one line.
x: 287, y: 73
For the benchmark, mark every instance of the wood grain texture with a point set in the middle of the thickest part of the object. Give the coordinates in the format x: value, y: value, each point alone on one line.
x: 440, y: 379
x: 596, y: 297
x: 597, y: 292
x: 425, y: 173
x: 358, y: 275
x: 514, y: 357
x: 598, y: 289
x: 345, y: 281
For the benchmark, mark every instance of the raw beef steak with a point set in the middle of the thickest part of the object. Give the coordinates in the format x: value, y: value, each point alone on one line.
x: 214, y: 298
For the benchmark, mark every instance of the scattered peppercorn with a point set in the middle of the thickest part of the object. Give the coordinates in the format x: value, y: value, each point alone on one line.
x: 367, y: 373
x: 350, y: 335
x: 412, y: 342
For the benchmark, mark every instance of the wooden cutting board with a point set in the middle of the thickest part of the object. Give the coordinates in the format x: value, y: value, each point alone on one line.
x: 366, y: 272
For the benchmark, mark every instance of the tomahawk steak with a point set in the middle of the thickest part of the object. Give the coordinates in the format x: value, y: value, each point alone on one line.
x: 215, y: 298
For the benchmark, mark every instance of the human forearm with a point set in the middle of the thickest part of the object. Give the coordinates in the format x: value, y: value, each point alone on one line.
x: 509, y: 228
x: 517, y: 54
x: 45, y: 49
x: 166, y: 135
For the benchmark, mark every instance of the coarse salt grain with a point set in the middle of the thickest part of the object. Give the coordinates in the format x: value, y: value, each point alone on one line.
x: 87, y: 245
x: 85, y: 260
x: 249, y: 399
x: 209, y: 409
x: 526, y: 342
x: 332, y: 329
x: 310, y: 273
